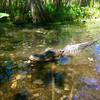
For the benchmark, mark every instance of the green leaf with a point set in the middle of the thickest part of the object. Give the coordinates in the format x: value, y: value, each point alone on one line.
x: 3, y: 15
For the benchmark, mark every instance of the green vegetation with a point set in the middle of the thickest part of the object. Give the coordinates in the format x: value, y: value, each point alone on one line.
x: 48, y: 11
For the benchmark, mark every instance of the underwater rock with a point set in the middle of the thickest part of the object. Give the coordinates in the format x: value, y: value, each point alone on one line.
x: 29, y: 76
x: 36, y: 95
x: 58, y: 91
x: 20, y: 76
x: 23, y: 72
x: 66, y: 87
x: 90, y: 59
x: 38, y: 82
x: 23, y: 95
x: 64, y: 97
x: 14, y: 85
x: 1, y: 93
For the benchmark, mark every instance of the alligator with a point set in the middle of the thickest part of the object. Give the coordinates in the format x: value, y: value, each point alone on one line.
x: 55, y: 54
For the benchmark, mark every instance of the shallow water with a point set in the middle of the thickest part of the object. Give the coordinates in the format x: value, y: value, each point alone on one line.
x: 80, y: 78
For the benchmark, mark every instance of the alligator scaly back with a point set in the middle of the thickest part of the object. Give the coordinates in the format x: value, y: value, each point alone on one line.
x: 75, y: 49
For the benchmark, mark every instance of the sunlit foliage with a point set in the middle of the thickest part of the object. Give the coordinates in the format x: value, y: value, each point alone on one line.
x: 46, y: 11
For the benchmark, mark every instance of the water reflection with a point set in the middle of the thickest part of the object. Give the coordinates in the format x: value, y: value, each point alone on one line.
x: 64, y: 60
x: 6, y: 71
x: 23, y: 95
x: 89, y: 81
x: 97, y: 57
x: 88, y: 90
x: 58, y: 77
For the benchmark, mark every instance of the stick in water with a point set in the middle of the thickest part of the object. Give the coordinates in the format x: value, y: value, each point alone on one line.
x: 53, y: 70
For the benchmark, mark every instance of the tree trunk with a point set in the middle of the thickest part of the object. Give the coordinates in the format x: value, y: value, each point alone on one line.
x: 33, y: 10
x: 58, y: 4
x: 83, y: 2
x: 39, y: 13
